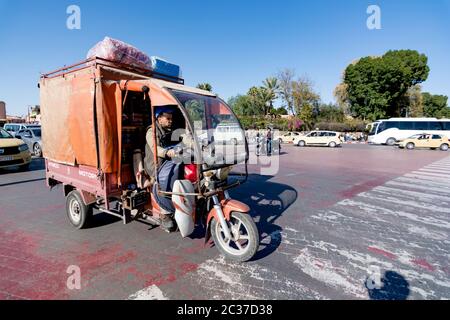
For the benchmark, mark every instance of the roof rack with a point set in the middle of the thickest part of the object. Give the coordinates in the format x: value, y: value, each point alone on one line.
x: 109, y: 63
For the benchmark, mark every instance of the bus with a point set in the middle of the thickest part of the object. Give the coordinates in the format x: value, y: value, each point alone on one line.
x: 390, y: 131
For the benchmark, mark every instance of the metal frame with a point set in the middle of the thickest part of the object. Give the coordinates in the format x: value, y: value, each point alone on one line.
x: 109, y: 63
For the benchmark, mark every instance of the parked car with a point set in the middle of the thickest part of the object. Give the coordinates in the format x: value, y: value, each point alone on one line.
x: 14, y: 128
x: 288, y: 137
x: 425, y: 140
x: 32, y: 138
x: 13, y: 152
x: 319, y: 138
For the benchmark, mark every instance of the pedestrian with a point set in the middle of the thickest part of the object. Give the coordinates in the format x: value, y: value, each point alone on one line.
x: 269, y: 141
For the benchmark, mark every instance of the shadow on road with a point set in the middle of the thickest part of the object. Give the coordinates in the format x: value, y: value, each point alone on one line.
x: 268, y: 201
x: 394, y: 287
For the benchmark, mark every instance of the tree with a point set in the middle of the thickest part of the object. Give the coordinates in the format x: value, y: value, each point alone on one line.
x: 260, y: 97
x: 205, y: 86
x: 303, y: 94
x: 307, y: 116
x: 341, y: 95
x: 377, y: 86
x: 413, y: 102
x: 285, y: 79
x: 281, y: 111
x: 330, y: 113
x: 272, y: 88
x: 243, y: 105
x: 435, y: 105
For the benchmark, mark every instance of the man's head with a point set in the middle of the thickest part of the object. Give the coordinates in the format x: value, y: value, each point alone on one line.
x: 164, y: 116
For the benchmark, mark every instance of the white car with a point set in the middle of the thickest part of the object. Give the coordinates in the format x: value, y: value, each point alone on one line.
x: 288, y: 137
x: 319, y: 138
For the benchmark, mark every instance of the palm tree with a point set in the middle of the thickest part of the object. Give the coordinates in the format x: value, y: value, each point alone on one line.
x: 205, y: 86
x: 272, y: 88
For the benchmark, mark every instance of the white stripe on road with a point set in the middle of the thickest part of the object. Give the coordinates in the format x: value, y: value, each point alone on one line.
x: 414, y: 204
x: 426, y: 177
x: 371, y: 209
x: 435, y: 171
x: 439, y: 175
x: 431, y: 183
x: 419, y: 186
x: 419, y: 196
x: 149, y: 293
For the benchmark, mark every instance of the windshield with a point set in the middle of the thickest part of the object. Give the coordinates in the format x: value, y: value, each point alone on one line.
x: 213, y: 121
x: 4, y: 134
x: 37, y: 132
x: 373, y: 129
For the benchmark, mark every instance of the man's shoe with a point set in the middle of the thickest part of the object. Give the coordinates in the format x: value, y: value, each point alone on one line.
x: 167, y: 223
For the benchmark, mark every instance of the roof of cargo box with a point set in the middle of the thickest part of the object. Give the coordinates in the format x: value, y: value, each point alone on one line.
x: 175, y: 84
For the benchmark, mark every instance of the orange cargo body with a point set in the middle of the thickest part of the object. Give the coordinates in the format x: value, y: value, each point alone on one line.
x: 81, y: 118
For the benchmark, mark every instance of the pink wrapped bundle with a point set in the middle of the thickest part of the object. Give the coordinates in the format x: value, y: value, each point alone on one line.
x: 118, y: 51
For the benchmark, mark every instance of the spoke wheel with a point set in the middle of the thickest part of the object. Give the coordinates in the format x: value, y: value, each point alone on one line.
x: 244, y: 241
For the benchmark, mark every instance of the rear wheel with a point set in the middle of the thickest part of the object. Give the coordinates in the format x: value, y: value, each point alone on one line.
x: 37, y: 150
x: 332, y: 144
x: 444, y: 147
x: 78, y: 213
x: 390, y: 141
x: 410, y: 146
x: 301, y: 143
x: 244, y: 240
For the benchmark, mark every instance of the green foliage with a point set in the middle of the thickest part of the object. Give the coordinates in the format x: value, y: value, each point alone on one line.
x: 377, y: 85
x: 281, y: 111
x: 304, y: 96
x: 307, y: 116
x: 242, y: 105
x: 435, y: 105
x: 251, y: 122
x: 330, y: 113
x: 205, y: 86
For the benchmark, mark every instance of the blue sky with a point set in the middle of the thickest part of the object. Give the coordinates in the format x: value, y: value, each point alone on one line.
x: 232, y: 44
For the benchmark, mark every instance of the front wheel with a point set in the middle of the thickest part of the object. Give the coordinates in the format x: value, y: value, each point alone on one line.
x: 245, y: 237
x: 390, y: 141
x: 301, y: 143
x: 410, y: 146
x: 444, y: 147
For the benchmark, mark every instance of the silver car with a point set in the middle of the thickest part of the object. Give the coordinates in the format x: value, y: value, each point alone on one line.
x: 32, y: 137
x: 14, y: 128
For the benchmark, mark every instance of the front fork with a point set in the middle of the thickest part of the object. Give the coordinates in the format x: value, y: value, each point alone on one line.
x: 220, y: 215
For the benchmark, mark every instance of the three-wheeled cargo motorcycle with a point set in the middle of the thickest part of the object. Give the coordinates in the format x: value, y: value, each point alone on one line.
x: 95, y: 116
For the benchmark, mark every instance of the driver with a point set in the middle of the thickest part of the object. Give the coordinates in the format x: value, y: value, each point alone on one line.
x: 163, y: 117
x: 165, y: 153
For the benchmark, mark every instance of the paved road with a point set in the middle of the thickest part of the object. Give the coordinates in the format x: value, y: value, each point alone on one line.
x: 356, y: 222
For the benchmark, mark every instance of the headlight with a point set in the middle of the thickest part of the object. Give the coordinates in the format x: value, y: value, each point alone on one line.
x: 23, y: 147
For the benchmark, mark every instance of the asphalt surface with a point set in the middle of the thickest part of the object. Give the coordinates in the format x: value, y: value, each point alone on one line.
x: 357, y: 222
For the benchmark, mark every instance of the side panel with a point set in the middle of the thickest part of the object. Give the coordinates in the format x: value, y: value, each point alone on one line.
x: 67, y: 108
x: 81, y: 177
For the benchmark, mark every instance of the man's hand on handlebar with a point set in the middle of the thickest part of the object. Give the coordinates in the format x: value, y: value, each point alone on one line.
x: 171, y: 153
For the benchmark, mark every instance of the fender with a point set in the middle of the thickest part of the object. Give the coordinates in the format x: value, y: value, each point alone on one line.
x: 228, y: 206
